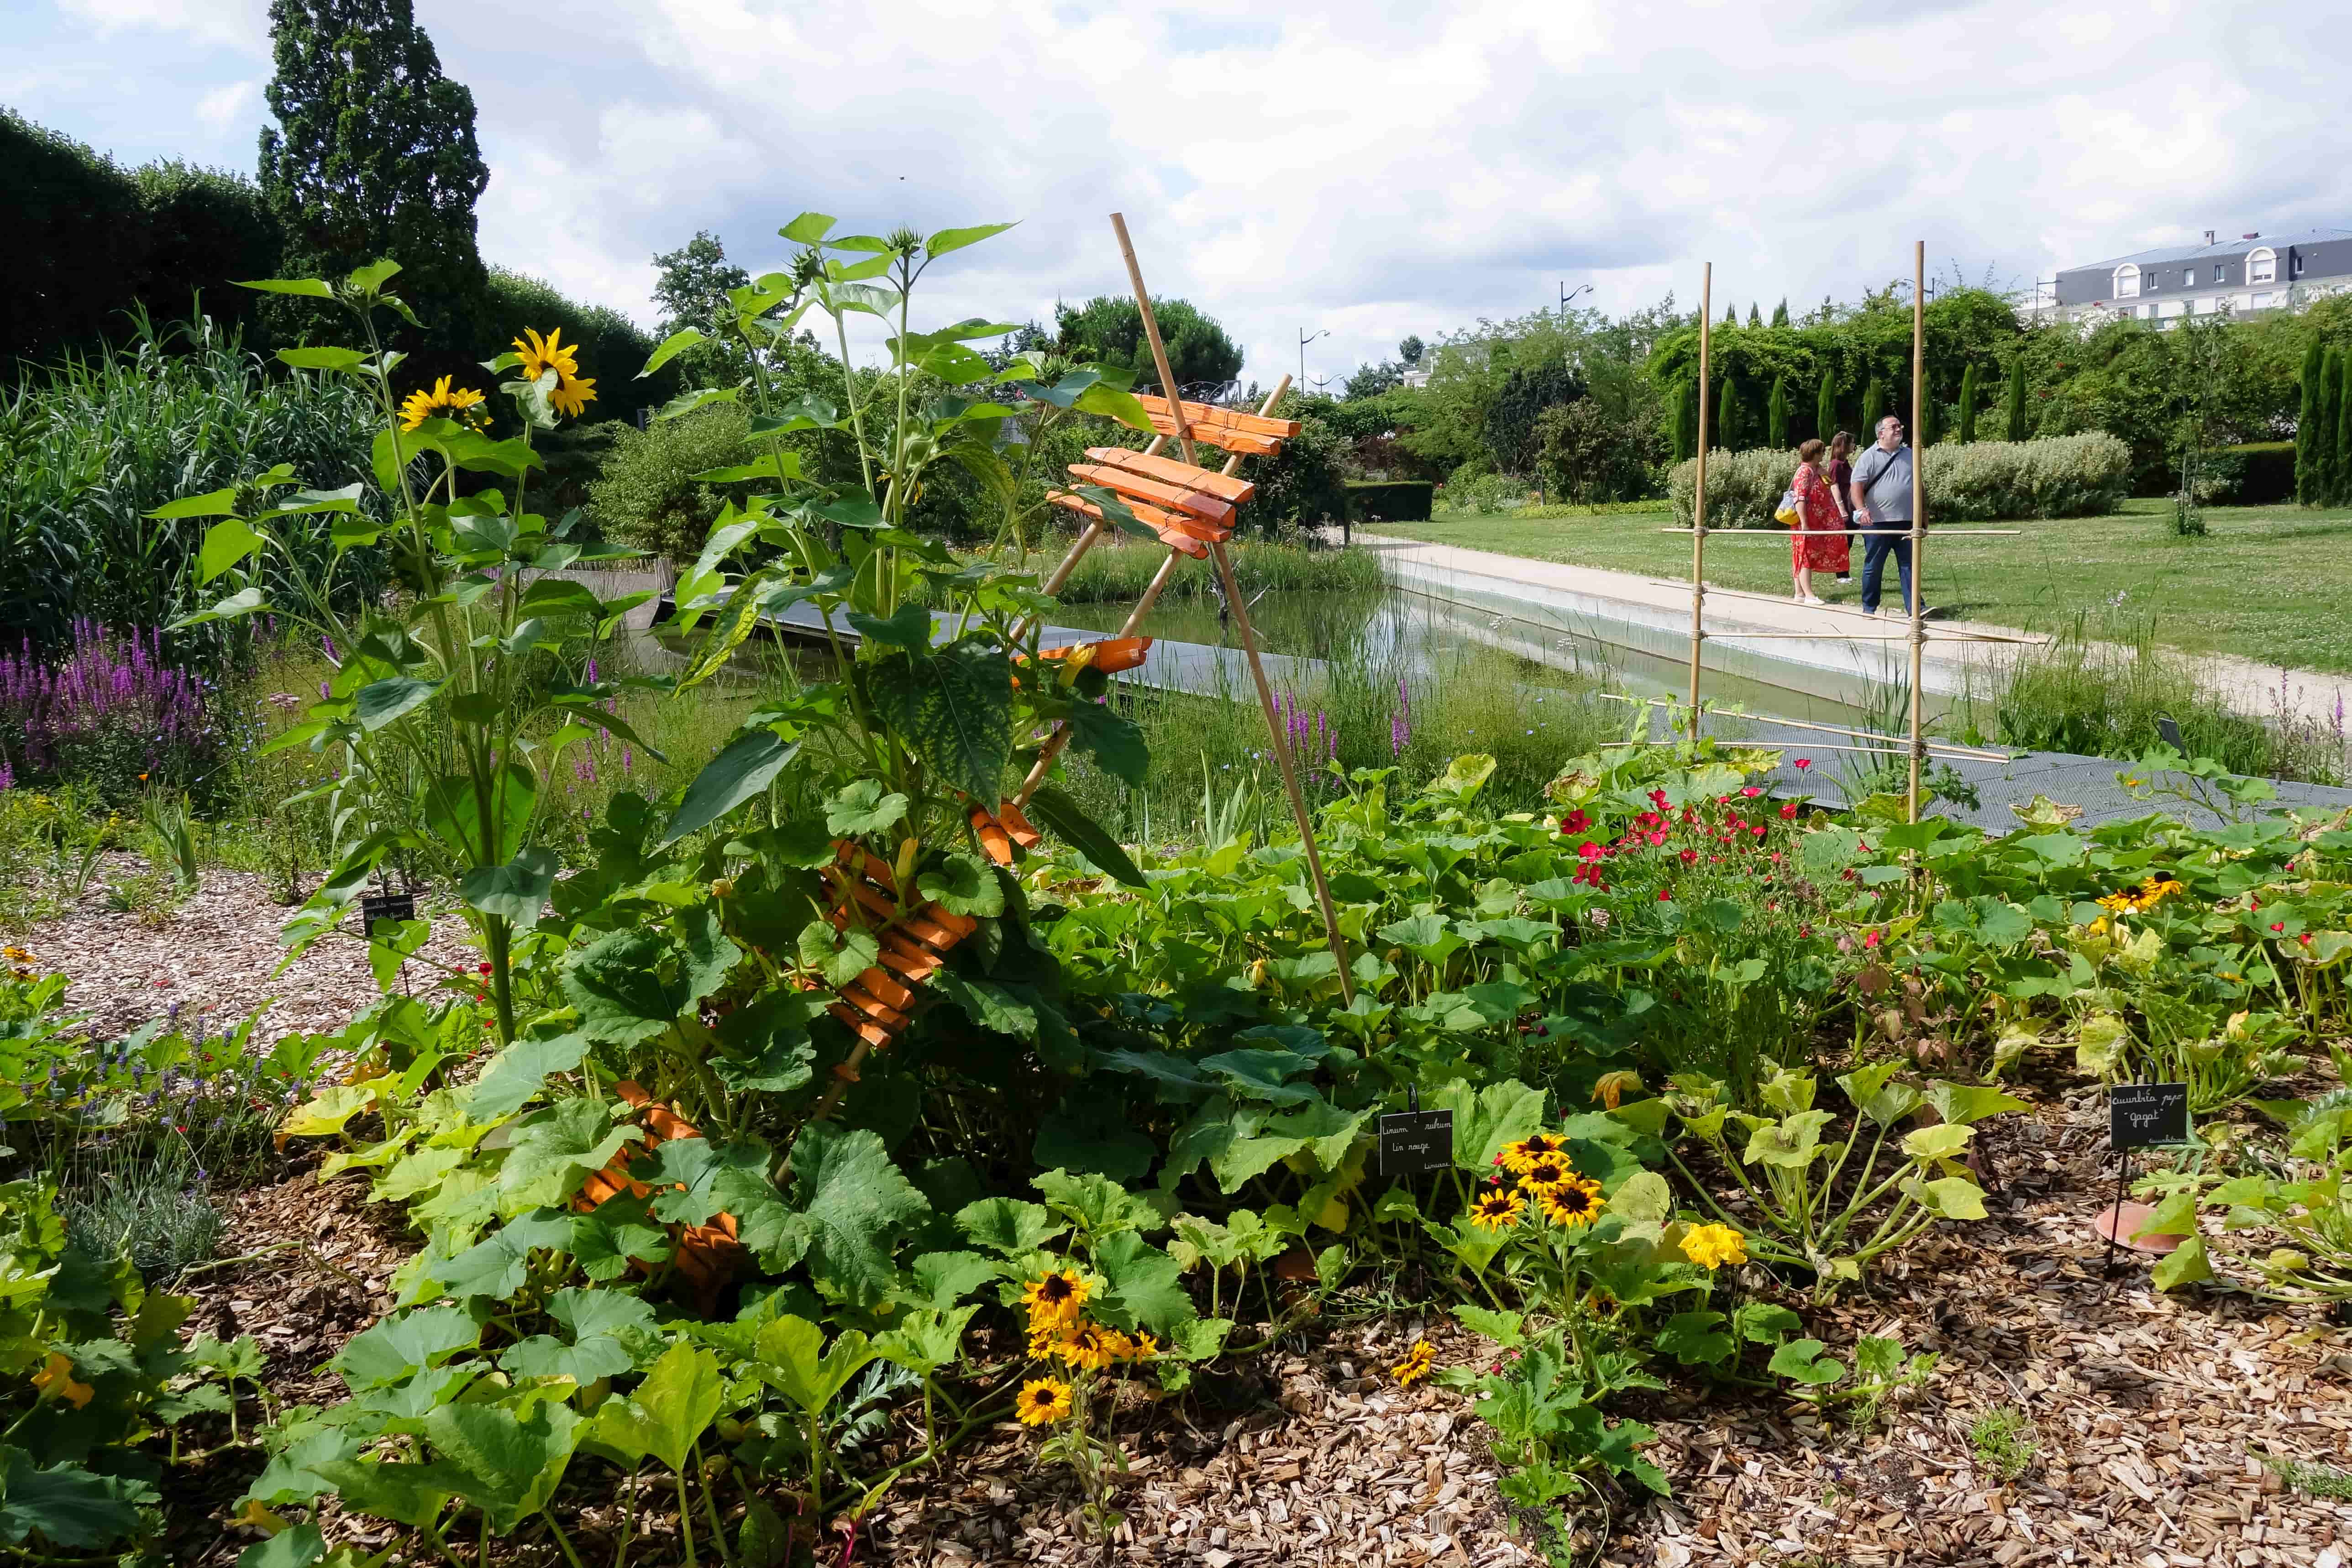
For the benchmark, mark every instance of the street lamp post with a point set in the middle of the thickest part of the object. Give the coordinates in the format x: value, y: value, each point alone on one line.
x: 1306, y: 338
x: 1567, y: 294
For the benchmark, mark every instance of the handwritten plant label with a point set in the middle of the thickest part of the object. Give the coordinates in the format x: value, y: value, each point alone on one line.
x: 2140, y: 1115
x: 1414, y: 1140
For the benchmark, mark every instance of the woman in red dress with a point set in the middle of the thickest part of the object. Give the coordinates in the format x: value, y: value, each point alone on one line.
x: 1819, y: 542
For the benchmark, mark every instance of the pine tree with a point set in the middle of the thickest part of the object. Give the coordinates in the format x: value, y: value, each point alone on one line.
x: 2016, y: 430
x: 1969, y: 405
x: 373, y: 155
x: 1730, y: 314
x: 1929, y: 417
x: 1781, y: 312
x: 2323, y: 452
x: 2308, y: 439
x: 1825, y: 406
x: 1873, y: 408
x: 1727, y: 428
x: 1776, y: 416
x: 1755, y: 317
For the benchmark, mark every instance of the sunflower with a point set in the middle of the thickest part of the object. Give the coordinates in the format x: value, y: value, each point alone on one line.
x: 1712, y: 1246
x: 459, y: 402
x: 1054, y: 1299
x: 1531, y: 1150
x: 1573, y: 1202
x: 1415, y: 1364
x: 573, y: 391
x: 1539, y: 1177
x: 1086, y: 1346
x: 1496, y: 1210
x: 1043, y: 1399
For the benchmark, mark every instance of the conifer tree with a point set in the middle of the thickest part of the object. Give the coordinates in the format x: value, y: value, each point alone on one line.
x: 2016, y: 429
x: 1730, y: 314
x: 2326, y: 457
x: 2309, y: 439
x: 1969, y: 405
x: 1728, y: 431
x: 1873, y: 408
x: 2342, y: 453
x: 1776, y: 416
x: 1825, y: 406
x: 1755, y: 317
x: 1685, y: 431
x: 1781, y: 312
x: 373, y: 155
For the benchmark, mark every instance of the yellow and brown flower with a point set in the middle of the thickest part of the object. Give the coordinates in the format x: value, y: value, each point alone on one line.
x: 1043, y: 1399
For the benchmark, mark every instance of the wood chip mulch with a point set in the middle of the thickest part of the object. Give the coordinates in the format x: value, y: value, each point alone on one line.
x: 213, y: 958
x: 2149, y: 1414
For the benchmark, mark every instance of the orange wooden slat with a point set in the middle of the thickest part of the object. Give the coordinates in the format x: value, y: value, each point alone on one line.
x: 1224, y: 440
x: 871, y: 1033
x: 878, y: 981
x: 1177, y: 498
x: 1175, y: 472
x: 1150, y: 517
x: 1204, y: 414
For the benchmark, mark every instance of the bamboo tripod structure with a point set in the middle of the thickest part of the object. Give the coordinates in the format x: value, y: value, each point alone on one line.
x: 1916, y: 634
x: 1239, y: 607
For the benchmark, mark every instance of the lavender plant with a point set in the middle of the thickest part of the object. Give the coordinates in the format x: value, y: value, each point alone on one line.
x: 114, y: 713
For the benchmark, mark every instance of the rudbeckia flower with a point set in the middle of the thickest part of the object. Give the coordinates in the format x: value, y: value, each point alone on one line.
x: 1043, y: 1399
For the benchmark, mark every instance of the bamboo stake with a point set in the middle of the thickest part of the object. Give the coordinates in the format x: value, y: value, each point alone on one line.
x: 1061, y: 736
x: 1279, y: 741
x: 1918, y: 504
x: 1698, y: 497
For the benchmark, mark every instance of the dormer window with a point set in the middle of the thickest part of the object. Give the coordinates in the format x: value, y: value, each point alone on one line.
x: 2127, y: 281
x: 2262, y: 265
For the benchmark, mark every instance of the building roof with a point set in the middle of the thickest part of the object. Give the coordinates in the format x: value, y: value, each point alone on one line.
x: 2219, y: 248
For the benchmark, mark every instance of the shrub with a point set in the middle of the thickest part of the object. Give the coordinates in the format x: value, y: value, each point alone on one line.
x: 2258, y: 473
x: 1984, y: 481
x: 647, y: 495
x: 1394, y: 501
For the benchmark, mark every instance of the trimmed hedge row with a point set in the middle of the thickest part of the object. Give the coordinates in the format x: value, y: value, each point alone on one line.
x: 1984, y: 481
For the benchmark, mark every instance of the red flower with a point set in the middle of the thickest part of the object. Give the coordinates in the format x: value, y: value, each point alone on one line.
x: 1576, y: 821
x: 1690, y: 857
x: 482, y: 968
x: 1758, y: 830
x: 1804, y: 762
x: 1870, y: 940
x: 1658, y: 799
x: 2278, y: 925
x: 2304, y: 938
x: 1788, y: 812
x: 1664, y: 896
x: 1657, y: 838
x: 1750, y: 791
x: 1590, y: 850
x: 1804, y: 931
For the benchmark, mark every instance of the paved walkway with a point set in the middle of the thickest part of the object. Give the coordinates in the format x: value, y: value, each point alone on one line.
x: 1766, y: 636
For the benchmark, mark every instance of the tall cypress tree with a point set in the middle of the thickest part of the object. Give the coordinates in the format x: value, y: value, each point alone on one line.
x: 2016, y: 430
x: 1969, y: 405
x: 2325, y: 458
x: 1728, y: 428
x: 1755, y: 317
x: 1873, y: 408
x: 1781, y: 312
x: 1730, y: 314
x: 2343, y: 452
x: 1685, y: 429
x: 373, y: 155
x: 2309, y: 440
x: 1776, y: 416
x: 1930, y: 418
x: 1825, y: 422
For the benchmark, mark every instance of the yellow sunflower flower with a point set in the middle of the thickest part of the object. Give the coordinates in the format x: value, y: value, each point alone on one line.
x: 457, y: 402
x: 1712, y: 1246
x: 1043, y: 1399
x: 1054, y: 1299
x: 1573, y: 1202
x: 1497, y: 1208
x: 1415, y: 1364
x: 1532, y: 1150
x: 573, y: 391
x: 1541, y: 1176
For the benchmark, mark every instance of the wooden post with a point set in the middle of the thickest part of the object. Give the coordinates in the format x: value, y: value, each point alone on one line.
x: 1918, y: 504
x: 1698, y: 499
x: 1280, y: 742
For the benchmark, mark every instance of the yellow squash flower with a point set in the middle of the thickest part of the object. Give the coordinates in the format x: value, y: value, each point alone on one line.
x: 1495, y: 1209
x: 56, y: 1378
x: 1712, y: 1246
x: 1043, y: 1399
x: 1054, y: 1299
x: 1415, y: 1364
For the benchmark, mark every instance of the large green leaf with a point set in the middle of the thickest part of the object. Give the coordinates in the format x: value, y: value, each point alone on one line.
x: 676, y: 343
x: 517, y: 890
x: 748, y: 765
x: 792, y: 1360
x: 298, y: 1546
x: 617, y: 985
x: 514, y: 1463
x: 695, y: 1178
x: 853, y: 1205
x: 1008, y: 1226
x: 953, y: 707
x: 1487, y: 1118
x: 406, y: 1494
x: 1053, y: 810
x: 516, y: 1074
x: 672, y: 1407
x: 398, y: 1347
x: 453, y: 813
x: 226, y: 542
x: 556, y: 1149
x: 947, y: 240
x: 1144, y: 1285
x: 65, y: 1505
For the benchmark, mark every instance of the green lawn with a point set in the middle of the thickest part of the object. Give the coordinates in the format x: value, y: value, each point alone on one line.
x: 2273, y: 583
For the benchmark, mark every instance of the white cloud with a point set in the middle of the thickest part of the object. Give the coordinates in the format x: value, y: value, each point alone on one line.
x: 222, y: 109
x: 1369, y: 166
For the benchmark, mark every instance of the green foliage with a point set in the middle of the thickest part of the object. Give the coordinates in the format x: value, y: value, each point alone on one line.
x: 2065, y: 476
x: 1825, y: 407
x: 1586, y: 457
x: 1402, y: 500
x: 2015, y: 425
x: 2313, y: 436
x: 1776, y: 408
x: 1527, y: 390
x: 650, y: 494
x: 1108, y: 330
x: 2002, y: 1441
x: 1968, y: 427
x: 373, y: 155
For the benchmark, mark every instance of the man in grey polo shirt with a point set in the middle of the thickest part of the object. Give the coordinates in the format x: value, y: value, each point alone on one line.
x: 1882, y: 504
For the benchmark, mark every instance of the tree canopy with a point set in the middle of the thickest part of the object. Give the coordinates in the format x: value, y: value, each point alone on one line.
x: 1109, y: 330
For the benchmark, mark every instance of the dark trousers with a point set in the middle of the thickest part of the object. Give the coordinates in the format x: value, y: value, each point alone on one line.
x: 1882, y: 539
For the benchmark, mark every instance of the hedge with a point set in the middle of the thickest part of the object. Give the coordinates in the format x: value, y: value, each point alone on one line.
x: 2261, y: 472
x: 1983, y: 480
x: 1389, y: 501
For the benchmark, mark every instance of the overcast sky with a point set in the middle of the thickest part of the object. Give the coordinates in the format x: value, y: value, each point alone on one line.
x: 1368, y: 168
